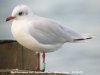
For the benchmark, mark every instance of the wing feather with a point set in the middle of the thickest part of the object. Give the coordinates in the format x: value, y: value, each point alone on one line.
x: 46, y: 31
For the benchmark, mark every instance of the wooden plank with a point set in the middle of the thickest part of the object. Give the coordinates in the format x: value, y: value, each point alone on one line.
x: 19, y: 57
x: 14, y: 56
x: 29, y: 59
x: 8, y: 56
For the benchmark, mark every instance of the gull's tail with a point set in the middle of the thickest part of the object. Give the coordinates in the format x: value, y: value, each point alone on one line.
x: 85, y: 37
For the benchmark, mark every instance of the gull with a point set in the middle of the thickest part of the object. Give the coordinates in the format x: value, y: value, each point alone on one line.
x: 40, y: 34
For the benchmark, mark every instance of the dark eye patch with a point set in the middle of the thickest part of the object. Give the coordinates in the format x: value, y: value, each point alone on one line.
x: 20, y: 13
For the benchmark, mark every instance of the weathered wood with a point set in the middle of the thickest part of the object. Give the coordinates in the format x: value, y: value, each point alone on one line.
x: 14, y: 56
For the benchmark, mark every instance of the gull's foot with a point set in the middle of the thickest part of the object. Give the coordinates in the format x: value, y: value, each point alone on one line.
x: 43, y: 70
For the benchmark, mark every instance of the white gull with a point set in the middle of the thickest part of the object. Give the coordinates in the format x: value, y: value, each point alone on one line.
x: 38, y: 33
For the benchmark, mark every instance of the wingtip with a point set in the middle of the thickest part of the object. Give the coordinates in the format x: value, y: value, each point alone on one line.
x: 81, y: 39
x: 89, y: 38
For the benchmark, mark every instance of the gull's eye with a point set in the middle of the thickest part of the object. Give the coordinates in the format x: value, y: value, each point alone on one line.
x: 20, y: 13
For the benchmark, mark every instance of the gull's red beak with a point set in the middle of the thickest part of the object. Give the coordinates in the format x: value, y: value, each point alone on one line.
x: 10, y: 18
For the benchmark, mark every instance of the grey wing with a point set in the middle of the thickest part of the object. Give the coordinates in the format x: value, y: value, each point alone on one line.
x: 49, y: 32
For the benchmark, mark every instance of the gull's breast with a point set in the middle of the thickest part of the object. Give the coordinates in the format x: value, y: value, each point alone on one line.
x: 22, y: 36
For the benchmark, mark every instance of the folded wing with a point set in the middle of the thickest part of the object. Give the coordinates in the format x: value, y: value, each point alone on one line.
x: 46, y: 31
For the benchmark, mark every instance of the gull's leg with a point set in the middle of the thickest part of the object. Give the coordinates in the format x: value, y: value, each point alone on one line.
x: 37, y: 61
x: 43, y: 64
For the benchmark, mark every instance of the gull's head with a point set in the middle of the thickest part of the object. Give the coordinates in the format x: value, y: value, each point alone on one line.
x: 19, y: 11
